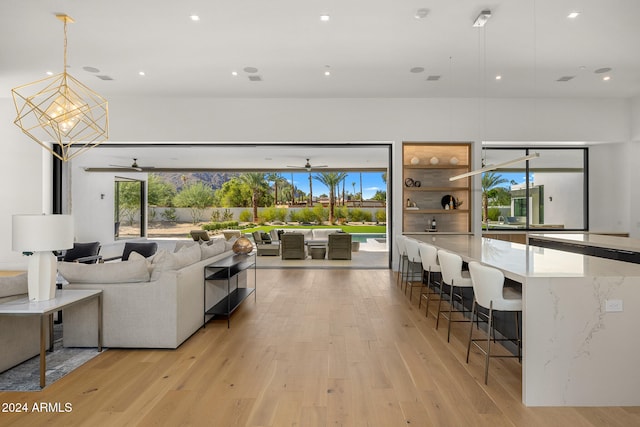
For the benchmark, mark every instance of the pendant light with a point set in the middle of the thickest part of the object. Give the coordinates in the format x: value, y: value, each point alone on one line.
x: 59, y: 110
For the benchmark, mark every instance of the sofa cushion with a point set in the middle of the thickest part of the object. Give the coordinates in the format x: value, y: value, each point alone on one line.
x: 216, y: 247
x: 187, y: 255
x: 130, y: 271
x: 13, y: 285
x: 323, y: 233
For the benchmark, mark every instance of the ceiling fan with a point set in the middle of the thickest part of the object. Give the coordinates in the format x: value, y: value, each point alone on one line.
x: 134, y: 166
x: 308, y: 166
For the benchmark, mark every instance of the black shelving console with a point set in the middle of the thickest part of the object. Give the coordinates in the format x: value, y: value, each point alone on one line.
x: 226, y: 269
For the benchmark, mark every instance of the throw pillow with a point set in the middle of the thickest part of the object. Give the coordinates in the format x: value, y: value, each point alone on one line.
x: 130, y: 271
x: 187, y: 255
x: 134, y: 256
x: 216, y: 247
x: 228, y: 245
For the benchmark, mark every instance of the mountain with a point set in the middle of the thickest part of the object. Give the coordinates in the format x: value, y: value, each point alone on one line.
x: 212, y: 179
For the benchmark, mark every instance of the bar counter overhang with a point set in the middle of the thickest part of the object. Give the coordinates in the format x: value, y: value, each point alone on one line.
x: 575, y: 352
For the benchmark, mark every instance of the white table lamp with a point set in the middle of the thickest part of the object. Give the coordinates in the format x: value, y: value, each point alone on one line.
x: 40, y: 235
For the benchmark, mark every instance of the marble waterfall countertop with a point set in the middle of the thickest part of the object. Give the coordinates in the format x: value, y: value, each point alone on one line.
x: 591, y: 239
x: 519, y: 262
x: 579, y: 323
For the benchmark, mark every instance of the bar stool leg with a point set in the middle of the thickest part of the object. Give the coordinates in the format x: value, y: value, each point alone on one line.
x: 439, y: 305
x: 450, y: 308
x: 473, y: 310
x: 487, y: 357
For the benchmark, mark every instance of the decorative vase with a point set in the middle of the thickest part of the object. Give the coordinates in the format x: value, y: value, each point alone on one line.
x: 242, y: 246
x: 415, y: 160
x: 434, y: 160
x: 453, y: 160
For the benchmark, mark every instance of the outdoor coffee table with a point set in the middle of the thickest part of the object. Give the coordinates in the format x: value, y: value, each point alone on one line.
x: 45, y: 309
x: 318, y: 252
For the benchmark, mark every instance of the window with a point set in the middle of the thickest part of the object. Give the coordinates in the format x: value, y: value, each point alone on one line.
x: 129, y: 213
x: 545, y: 193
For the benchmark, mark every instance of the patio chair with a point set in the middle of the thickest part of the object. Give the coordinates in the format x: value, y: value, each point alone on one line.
x: 264, y: 244
x: 86, y: 253
x: 146, y: 249
x: 292, y: 246
x: 339, y: 246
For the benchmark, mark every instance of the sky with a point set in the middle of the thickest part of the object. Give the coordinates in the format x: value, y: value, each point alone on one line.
x: 371, y: 182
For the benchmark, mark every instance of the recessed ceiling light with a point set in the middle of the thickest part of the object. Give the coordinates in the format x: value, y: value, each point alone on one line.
x: 49, y: 73
x: 325, y: 18
x: 141, y: 73
x: 194, y: 18
x: 327, y: 73
x: 417, y: 70
x: 234, y: 73
x: 498, y: 77
x: 573, y: 15
x: 606, y: 78
x: 421, y: 13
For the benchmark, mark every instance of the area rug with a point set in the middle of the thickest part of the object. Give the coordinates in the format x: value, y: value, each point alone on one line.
x: 26, y: 376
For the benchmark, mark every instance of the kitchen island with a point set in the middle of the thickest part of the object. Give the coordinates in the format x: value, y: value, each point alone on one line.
x: 579, y: 325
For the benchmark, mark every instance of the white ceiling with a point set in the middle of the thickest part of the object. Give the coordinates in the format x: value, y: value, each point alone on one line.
x: 370, y: 46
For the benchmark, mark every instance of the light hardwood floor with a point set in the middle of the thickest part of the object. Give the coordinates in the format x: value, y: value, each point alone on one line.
x: 318, y: 348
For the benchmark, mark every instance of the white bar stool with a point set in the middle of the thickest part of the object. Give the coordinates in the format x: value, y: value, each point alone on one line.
x: 402, y: 257
x: 414, y: 265
x: 431, y: 266
x: 457, y: 280
x: 490, y: 293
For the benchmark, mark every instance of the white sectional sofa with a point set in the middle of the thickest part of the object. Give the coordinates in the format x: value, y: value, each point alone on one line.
x: 19, y: 335
x: 156, y: 303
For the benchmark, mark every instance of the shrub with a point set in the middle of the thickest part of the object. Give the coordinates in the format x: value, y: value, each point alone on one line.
x: 321, y: 213
x: 170, y: 215
x: 246, y: 216
x: 281, y: 214
x: 340, y: 212
x: 293, y: 216
x: 215, y: 215
x: 359, y: 215
x: 306, y: 215
x: 493, y: 214
x: 227, y: 215
x: 381, y: 215
x: 268, y: 214
x: 220, y: 225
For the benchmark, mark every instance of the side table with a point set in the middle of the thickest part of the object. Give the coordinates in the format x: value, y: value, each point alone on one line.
x: 45, y: 309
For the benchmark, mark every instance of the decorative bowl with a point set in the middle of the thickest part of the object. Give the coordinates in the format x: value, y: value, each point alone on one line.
x: 242, y: 246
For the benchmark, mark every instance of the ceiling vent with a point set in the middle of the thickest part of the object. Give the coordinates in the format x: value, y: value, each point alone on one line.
x: 103, y: 77
x: 255, y: 78
x: 565, y: 78
x: 433, y: 78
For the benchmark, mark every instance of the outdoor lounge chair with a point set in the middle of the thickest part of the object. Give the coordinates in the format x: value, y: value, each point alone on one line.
x: 264, y: 245
x: 86, y: 253
x: 292, y: 246
x: 339, y: 246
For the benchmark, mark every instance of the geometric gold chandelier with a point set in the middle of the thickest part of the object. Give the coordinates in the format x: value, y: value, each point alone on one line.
x: 59, y: 110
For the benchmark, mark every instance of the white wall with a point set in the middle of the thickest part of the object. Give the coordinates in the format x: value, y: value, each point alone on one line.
x: 567, y: 201
x: 610, y: 191
x: 21, y: 182
x: 308, y: 120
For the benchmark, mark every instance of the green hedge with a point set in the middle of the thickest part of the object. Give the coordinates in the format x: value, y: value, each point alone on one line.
x: 220, y: 225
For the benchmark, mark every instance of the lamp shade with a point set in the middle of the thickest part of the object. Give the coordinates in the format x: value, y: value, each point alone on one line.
x: 34, y: 233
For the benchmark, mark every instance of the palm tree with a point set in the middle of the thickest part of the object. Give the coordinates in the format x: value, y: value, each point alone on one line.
x: 353, y: 184
x: 331, y: 180
x: 489, y: 181
x: 275, y: 178
x: 256, y: 182
x: 310, y: 191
